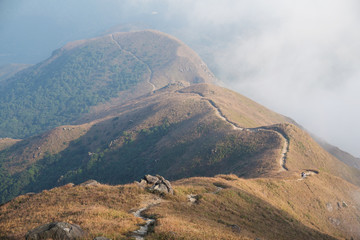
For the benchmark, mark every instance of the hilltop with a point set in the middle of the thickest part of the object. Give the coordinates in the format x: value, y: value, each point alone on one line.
x: 87, y: 73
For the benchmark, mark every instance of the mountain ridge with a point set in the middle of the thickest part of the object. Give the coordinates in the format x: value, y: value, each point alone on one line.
x: 239, y: 170
x: 175, y: 133
x: 87, y: 73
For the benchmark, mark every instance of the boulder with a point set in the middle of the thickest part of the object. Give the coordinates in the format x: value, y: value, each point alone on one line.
x: 89, y: 183
x: 158, y: 183
x: 151, y: 179
x: 101, y: 238
x: 56, y: 231
x: 163, y: 185
x: 142, y: 183
x: 235, y: 228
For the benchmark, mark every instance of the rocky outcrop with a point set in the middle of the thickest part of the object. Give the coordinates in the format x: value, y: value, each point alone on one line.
x: 56, y: 231
x: 156, y: 183
x: 89, y: 183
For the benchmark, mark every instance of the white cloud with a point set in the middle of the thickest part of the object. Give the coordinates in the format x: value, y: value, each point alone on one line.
x: 299, y: 58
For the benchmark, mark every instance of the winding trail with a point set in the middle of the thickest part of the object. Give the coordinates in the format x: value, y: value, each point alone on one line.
x: 134, y: 56
x: 219, y: 113
x: 143, y: 230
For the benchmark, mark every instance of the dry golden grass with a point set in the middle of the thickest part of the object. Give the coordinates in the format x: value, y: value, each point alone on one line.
x: 262, y: 208
x: 100, y: 210
x: 319, y: 207
x: 238, y: 108
x: 306, y: 153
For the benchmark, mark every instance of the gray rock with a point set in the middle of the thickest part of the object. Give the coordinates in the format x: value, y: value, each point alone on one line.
x: 160, y: 188
x: 89, y: 183
x: 150, y: 179
x: 101, y: 238
x: 329, y: 207
x: 235, y: 228
x: 192, y: 198
x: 158, y: 183
x: 335, y: 221
x: 56, y: 231
x: 142, y: 183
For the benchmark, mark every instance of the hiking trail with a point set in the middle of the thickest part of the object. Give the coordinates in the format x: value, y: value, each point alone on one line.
x: 218, y: 112
x: 148, y: 80
x: 144, y: 229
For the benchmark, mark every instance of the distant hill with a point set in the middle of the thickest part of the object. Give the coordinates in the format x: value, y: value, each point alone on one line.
x: 86, y: 73
x: 339, y: 154
x: 9, y: 70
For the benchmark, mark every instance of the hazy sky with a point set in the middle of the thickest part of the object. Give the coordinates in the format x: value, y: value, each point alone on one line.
x: 299, y: 58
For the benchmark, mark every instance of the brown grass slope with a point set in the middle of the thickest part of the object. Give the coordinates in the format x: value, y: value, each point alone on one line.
x: 340, y: 154
x: 22, y: 153
x: 7, y: 142
x: 197, y: 143
x: 206, y: 144
x: 319, y: 207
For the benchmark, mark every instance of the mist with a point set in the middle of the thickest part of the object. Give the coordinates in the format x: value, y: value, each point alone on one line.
x: 298, y: 58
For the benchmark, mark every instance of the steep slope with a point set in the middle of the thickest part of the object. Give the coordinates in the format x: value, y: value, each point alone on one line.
x: 225, y: 207
x: 318, y: 207
x: 339, y: 154
x: 7, y: 142
x: 201, y: 130
x: 9, y: 70
x: 86, y: 73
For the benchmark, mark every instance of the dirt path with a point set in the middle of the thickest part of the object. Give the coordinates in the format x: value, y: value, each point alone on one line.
x: 219, y: 113
x: 134, y: 56
x: 285, y: 148
x: 143, y: 230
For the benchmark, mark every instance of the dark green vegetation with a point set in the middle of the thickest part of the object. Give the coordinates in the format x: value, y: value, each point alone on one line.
x: 88, y: 73
x: 114, y: 152
x: 58, y: 90
x: 175, y: 132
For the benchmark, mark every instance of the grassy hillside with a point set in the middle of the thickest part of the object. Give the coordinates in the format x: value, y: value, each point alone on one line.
x: 227, y: 207
x: 319, y: 207
x: 340, y: 154
x: 168, y: 133
x: 87, y: 73
x: 175, y: 132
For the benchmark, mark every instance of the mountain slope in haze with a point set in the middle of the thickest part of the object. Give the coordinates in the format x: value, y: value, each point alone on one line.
x: 339, y: 154
x: 86, y: 73
x: 177, y: 131
x: 9, y: 70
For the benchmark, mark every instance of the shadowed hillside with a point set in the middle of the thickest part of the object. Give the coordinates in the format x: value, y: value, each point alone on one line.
x: 176, y: 132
